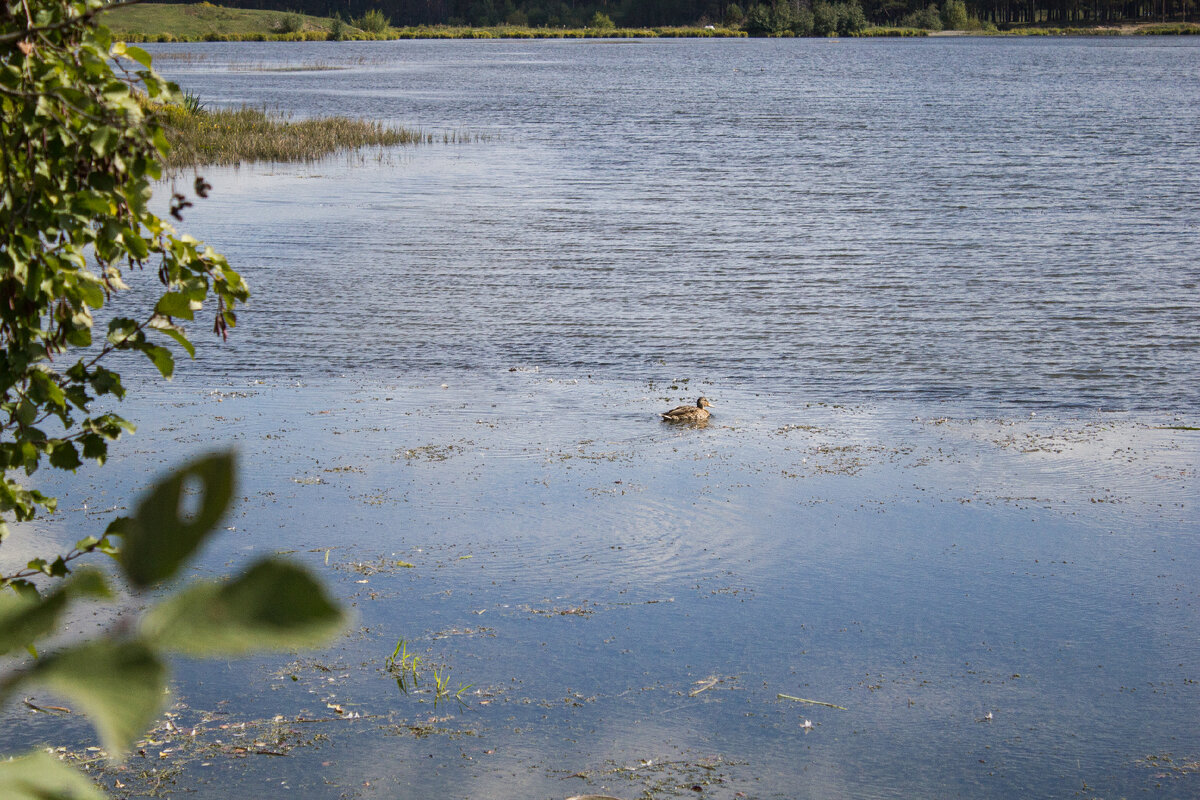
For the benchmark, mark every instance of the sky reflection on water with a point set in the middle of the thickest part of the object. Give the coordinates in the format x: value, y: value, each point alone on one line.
x: 586, y: 572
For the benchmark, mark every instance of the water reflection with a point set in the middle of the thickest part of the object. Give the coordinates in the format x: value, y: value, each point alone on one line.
x: 587, y: 572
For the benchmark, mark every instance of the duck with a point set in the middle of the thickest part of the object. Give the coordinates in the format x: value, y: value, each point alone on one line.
x: 696, y: 413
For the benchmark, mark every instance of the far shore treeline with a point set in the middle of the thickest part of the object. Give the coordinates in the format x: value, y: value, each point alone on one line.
x: 770, y: 18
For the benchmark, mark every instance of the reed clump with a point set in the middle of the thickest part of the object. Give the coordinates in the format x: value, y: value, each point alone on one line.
x: 890, y: 32
x: 200, y: 137
x: 1170, y: 29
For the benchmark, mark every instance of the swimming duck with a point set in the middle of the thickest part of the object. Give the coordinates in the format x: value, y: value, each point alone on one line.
x: 694, y: 413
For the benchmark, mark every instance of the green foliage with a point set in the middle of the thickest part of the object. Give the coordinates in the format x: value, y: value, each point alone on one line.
x: 406, y: 668
x: 851, y: 19
x: 802, y: 22
x: 337, y: 29
x: 27, y: 617
x: 290, y: 22
x: 825, y: 19
x: 41, y: 776
x: 601, y: 22
x: 78, y: 155
x: 928, y: 18
x: 120, y: 677
x: 191, y: 103
x: 80, y: 146
x: 372, y: 21
x: 119, y: 683
x: 147, y: 557
x: 954, y: 15
x: 271, y: 606
x: 769, y: 20
x: 734, y: 15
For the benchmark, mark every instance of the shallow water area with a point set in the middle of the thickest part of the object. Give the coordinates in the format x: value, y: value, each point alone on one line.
x: 626, y: 599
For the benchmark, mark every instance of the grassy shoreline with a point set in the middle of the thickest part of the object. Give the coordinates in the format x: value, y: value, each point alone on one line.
x: 159, y: 22
x: 219, y: 137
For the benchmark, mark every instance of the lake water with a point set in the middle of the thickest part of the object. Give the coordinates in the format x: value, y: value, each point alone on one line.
x: 993, y: 221
x: 944, y: 293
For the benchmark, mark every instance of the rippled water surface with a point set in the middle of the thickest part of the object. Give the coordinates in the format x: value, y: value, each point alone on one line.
x: 989, y: 220
x: 944, y: 294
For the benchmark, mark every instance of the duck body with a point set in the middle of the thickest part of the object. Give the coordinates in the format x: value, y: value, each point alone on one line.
x: 696, y: 413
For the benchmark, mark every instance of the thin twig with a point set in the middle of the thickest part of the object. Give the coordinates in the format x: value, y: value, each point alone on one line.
x: 811, y: 702
x: 17, y: 36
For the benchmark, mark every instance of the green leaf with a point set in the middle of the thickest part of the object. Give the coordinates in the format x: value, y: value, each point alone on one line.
x: 274, y: 605
x: 121, y: 686
x: 175, y: 304
x: 158, y: 538
x: 94, y: 447
x: 102, y: 139
x: 26, y: 617
x: 64, y: 455
x: 138, y: 54
x: 161, y: 357
x: 122, y: 329
x: 23, y: 621
x: 41, y: 776
x: 181, y: 338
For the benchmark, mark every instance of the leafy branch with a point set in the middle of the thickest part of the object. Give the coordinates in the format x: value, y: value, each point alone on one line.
x: 120, y: 678
x: 80, y: 148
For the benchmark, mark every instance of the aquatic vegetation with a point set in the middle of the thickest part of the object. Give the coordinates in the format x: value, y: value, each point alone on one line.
x: 232, y: 136
x: 891, y: 32
x: 405, y: 665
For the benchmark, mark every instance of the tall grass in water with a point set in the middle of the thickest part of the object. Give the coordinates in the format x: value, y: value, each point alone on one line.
x: 231, y: 136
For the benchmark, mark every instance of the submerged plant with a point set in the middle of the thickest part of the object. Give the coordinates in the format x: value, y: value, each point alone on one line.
x: 405, y: 666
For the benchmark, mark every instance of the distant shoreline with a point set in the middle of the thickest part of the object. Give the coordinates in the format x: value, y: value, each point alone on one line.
x: 157, y: 22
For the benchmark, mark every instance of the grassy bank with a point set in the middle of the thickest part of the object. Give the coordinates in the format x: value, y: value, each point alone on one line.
x: 1144, y: 29
x: 149, y: 21
x: 231, y: 136
x: 203, y: 22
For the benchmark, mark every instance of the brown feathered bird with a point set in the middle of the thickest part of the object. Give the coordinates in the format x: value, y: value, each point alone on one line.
x: 694, y: 413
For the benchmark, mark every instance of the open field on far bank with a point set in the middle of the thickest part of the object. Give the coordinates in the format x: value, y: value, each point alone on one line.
x: 161, y: 22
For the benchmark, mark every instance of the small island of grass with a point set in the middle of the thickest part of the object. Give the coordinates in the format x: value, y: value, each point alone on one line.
x: 202, y: 137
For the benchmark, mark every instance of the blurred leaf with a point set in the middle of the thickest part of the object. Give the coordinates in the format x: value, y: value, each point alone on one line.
x: 26, y: 617
x: 157, y: 538
x: 274, y: 605
x: 23, y: 621
x: 41, y: 776
x: 120, y: 685
x: 138, y: 54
